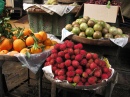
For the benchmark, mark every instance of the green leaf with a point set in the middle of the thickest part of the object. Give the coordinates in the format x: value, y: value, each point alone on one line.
x: 74, y: 84
x: 28, y: 54
x: 108, y: 4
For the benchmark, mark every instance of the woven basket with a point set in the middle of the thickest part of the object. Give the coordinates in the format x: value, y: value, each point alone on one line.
x: 101, y: 42
x: 64, y: 84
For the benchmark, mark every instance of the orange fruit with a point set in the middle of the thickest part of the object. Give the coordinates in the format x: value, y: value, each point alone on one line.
x: 48, y: 47
x: 54, y: 42
x: 27, y: 32
x: 18, y: 45
x: 29, y: 41
x: 14, y: 37
x: 3, y: 52
x: 35, y: 51
x: 43, y: 34
x: 6, y: 44
x: 38, y: 36
x: 47, y: 42
x: 24, y: 50
x: 12, y: 53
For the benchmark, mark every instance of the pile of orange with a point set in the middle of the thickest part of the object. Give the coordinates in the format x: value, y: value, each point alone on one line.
x: 26, y: 41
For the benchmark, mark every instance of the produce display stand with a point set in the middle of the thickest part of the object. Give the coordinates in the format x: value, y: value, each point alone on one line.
x: 3, y: 86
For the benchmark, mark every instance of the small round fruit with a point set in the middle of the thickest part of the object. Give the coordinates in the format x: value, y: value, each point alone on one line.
x: 108, y: 35
x: 82, y: 34
x: 97, y: 35
x: 97, y: 27
x: 113, y: 30
x: 91, y: 23
x: 89, y: 32
x: 76, y: 30
x: 83, y: 26
x: 68, y: 27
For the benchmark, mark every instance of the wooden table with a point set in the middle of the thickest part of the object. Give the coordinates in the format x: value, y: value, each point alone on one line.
x: 3, y: 85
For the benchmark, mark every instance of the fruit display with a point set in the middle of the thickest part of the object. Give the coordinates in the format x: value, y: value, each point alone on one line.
x: 94, y: 29
x: 22, y: 40
x: 71, y: 62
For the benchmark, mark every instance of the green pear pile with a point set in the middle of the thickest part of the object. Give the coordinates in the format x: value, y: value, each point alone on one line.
x: 94, y: 29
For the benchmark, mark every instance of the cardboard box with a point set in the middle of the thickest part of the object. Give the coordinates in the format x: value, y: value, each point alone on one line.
x: 101, y: 12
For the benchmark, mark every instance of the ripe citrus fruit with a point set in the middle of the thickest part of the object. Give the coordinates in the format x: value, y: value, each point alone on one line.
x: 18, y: 45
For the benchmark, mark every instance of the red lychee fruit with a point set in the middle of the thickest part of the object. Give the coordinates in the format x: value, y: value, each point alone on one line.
x: 95, y: 55
x: 88, y: 56
x: 75, y: 63
x: 62, y: 46
x: 65, y: 51
x: 70, y: 68
x: 59, y: 60
x: 67, y: 62
x: 84, y: 74
x: 88, y: 71
x: 54, y: 55
x: 97, y: 61
x: 105, y: 69
x: 54, y: 68
x: 83, y: 62
x: 70, y: 44
x: 56, y: 71
x: 80, y: 83
x: 48, y: 58
x: 62, y: 77
x: 102, y: 63
x: 79, y: 71
x: 83, y: 52
x: 76, y: 79
x: 78, y: 46
x: 79, y: 67
x: 76, y: 51
x: 61, y: 65
x: 92, y: 80
x: 70, y: 51
x: 72, y: 57
x: 70, y: 79
x: 109, y: 73
x: 52, y: 62
x: 83, y: 79
x: 46, y: 63
x: 78, y: 57
x: 70, y: 73
x: 57, y: 46
x: 53, y: 51
x: 61, y: 53
x: 86, y: 84
x: 61, y: 72
x: 104, y: 76
x: 93, y: 66
x: 67, y: 56
x: 97, y: 73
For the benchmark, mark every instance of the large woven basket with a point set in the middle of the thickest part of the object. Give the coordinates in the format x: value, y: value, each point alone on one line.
x: 64, y: 84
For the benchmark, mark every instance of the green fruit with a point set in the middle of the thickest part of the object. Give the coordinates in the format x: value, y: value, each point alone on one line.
x: 82, y: 34
x: 83, y: 26
x: 89, y: 32
x: 75, y: 30
x: 97, y: 27
x: 113, y: 30
x: 68, y: 27
x: 97, y: 35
